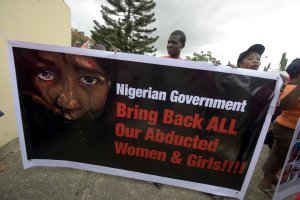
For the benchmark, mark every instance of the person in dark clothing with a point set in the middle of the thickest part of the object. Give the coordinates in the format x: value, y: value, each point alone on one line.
x: 249, y: 59
x: 176, y: 42
x: 283, y: 127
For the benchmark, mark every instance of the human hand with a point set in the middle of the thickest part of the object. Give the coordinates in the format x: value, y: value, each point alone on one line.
x: 231, y: 65
x: 35, y: 98
x: 115, y: 49
x: 216, y: 62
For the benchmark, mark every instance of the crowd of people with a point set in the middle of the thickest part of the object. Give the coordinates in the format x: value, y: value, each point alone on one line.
x: 286, y: 117
x: 283, y: 126
x: 93, y: 76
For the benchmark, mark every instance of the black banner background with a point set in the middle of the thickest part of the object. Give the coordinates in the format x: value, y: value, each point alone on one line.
x: 92, y: 140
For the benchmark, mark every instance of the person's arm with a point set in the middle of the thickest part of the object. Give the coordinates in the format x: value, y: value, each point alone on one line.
x: 291, y: 99
x: 231, y: 65
x: 216, y: 62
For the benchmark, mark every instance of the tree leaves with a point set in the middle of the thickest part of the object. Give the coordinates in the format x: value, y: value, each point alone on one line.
x: 126, y: 23
x: 205, y: 57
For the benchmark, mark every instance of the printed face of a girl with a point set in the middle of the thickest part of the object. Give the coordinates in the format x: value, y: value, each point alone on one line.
x: 71, y: 85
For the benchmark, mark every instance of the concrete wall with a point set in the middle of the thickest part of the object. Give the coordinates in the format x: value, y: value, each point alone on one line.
x: 38, y: 21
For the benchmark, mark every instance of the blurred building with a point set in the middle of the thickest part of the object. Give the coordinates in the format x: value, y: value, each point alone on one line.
x: 37, y: 21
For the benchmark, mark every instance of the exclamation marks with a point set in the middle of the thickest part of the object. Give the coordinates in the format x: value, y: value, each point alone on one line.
x: 242, y: 168
x: 230, y: 166
x: 224, y: 165
x: 237, y: 164
x: 233, y: 166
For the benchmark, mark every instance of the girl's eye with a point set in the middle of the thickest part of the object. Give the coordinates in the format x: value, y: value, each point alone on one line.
x: 46, y: 76
x: 88, y: 80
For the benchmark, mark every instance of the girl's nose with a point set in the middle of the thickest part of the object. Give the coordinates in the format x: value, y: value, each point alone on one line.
x: 68, y: 97
x: 67, y: 101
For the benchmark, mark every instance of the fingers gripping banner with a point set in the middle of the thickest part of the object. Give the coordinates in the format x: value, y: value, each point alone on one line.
x: 176, y: 122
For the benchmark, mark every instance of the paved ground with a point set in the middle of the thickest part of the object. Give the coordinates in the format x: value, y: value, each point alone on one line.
x: 43, y: 183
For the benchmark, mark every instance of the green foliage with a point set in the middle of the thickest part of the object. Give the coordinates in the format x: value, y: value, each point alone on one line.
x: 283, y: 62
x: 126, y: 23
x: 266, y: 68
x: 204, y: 57
x: 78, y: 37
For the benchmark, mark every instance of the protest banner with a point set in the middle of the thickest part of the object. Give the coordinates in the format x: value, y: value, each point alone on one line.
x: 289, y: 181
x: 177, y: 122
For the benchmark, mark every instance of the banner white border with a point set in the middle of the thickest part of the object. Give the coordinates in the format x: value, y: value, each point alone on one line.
x: 285, y: 190
x: 144, y: 59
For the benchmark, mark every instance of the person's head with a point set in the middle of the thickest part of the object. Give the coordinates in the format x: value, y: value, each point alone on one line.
x: 293, y: 69
x: 250, y: 59
x: 99, y: 46
x: 176, y: 43
x: 71, y: 85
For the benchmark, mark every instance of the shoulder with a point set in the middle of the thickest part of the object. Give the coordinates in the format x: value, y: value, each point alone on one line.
x: 288, y: 88
x: 172, y: 57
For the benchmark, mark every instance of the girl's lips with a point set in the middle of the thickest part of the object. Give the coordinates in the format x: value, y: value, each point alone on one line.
x: 254, y: 67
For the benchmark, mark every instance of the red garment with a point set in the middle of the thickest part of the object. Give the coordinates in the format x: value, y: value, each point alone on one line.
x: 86, y: 44
x: 290, y: 117
x: 171, y: 57
x: 297, y: 197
